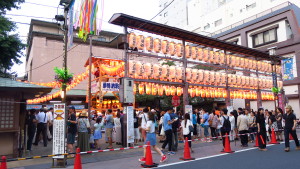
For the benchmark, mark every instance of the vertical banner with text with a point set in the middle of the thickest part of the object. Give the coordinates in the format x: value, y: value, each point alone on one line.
x: 189, y: 109
x: 130, y: 124
x: 59, y: 119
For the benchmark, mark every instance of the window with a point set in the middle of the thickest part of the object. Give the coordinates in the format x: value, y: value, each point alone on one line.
x: 289, y: 33
x: 218, y: 22
x: 249, y: 7
x: 265, y: 37
x: 7, y: 115
x: 165, y: 14
x: 102, y: 38
x: 207, y: 26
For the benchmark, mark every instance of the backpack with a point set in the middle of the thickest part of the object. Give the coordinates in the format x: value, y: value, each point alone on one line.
x: 226, y: 125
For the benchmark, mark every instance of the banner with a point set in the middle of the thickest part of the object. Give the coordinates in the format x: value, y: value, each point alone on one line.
x: 59, y: 130
x: 130, y: 124
x: 110, y: 86
x: 289, y: 69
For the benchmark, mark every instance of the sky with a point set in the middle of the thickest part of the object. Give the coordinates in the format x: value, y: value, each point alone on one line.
x: 47, y: 9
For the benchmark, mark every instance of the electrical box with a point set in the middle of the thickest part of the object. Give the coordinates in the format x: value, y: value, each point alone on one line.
x: 126, y: 90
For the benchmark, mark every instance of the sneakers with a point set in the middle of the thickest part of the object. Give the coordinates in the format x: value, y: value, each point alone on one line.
x: 142, y: 159
x: 163, y: 158
x: 171, y: 153
x: 287, y: 149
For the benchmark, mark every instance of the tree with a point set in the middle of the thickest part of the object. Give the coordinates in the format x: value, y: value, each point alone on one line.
x: 11, y: 45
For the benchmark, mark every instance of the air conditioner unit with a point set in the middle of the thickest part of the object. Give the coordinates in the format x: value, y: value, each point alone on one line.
x: 126, y: 90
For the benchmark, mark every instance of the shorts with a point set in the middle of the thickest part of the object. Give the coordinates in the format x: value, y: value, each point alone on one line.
x: 108, y: 132
x: 71, y: 138
x: 136, y: 133
x: 151, y: 137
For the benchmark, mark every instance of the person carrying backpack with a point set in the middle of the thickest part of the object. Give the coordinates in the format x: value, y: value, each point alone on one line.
x: 225, y: 123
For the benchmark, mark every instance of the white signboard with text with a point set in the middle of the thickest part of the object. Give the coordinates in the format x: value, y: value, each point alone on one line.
x: 130, y: 124
x: 189, y: 109
x: 59, y: 117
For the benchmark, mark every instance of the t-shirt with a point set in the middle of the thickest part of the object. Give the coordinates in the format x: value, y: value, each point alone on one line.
x: 29, y: 121
x: 109, y: 121
x: 144, y: 118
x: 165, y: 123
x: 150, y: 124
x: 289, y: 120
x: 205, y: 119
x: 72, y: 128
x: 261, y: 121
x: 136, y: 122
x: 194, y: 119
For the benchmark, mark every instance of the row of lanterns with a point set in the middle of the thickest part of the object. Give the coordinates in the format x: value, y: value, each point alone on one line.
x: 140, y: 70
x: 191, y: 52
x: 76, y: 80
x: 205, y: 92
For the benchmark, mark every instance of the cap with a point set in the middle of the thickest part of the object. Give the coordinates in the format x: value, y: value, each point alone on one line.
x: 153, y: 111
x: 72, y: 107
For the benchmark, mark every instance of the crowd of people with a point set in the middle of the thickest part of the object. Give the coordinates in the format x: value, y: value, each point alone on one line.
x: 168, y: 126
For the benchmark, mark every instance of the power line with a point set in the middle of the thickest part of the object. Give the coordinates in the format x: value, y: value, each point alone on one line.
x: 42, y: 5
x: 29, y: 16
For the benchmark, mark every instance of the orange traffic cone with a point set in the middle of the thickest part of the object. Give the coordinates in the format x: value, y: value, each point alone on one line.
x: 3, y: 163
x: 256, y: 141
x: 262, y: 139
x: 186, y: 151
x: 273, y: 138
x: 149, y: 161
x: 77, y: 163
x: 291, y: 137
x: 227, y: 148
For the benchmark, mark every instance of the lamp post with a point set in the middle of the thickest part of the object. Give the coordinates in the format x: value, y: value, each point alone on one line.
x: 272, y: 53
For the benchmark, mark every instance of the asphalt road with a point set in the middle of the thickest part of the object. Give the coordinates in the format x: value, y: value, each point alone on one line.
x: 252, y: 158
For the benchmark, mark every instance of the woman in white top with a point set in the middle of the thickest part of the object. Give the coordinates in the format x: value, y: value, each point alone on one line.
x: 118, y: 130
x: 97, y: 132
x: 232, y: 123
x: 186, y: 130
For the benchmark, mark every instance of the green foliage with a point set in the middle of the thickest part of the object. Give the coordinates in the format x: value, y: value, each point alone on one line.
x: 203, y: 67
x: 275, y: 90
x: 10, y: 44
x: 169, y: 63
x: 63, y: 76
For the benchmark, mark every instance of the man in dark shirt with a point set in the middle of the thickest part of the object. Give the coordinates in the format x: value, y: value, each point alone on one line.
x: 290, y: 128
x: 31, y: 127
x: 72, y: 129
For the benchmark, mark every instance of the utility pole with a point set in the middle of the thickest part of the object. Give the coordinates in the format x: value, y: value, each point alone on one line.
x: 90, y: 76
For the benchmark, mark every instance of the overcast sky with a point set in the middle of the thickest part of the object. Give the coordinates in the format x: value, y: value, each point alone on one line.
x: 47, y: 9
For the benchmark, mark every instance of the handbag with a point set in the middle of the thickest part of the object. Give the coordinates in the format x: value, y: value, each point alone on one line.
x: 191, y: 128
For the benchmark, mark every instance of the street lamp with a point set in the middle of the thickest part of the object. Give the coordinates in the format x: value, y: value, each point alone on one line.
x: 272, y: 53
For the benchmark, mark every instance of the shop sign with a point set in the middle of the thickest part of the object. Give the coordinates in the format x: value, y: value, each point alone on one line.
x: 189, y: 109
x: 59, y: 130
x: 110, y: 86
x: 130, y: 124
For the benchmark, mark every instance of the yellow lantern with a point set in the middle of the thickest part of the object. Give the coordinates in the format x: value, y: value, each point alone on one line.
x: 223, y: 78
x: 131, y: 40
x: 173, y: 91
x: 250, y: 64
x: 157, y: 45
x: 238, y: 80
x: 247, y: 81
x: 141, y: 88
x: 188, y: 51
x: 154, y: 89
x: 160, y: 90
x: 148, y: 88
x: 206, y: 77
x: 172, y: 47
x: 179, y: 91
x: 242, y: 63
x: 140, y: 42
x: 203, y: 93
x: 179, y: 50
x: 167, y: 90
x: 217, y: 77
x: 149, y: 43
x: 194, y: 53
x: 165, y: 46
x: 259, y: 65
x: 138, y: 69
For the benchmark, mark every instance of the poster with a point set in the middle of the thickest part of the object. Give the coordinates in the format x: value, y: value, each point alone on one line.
x: 59, y: 130
x: 189, y: 109
x: 130, y: 124
x: 289, y: 68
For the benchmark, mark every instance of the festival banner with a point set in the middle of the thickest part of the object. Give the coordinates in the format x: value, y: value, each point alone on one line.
x: 59, y: 130
x: 130, y: 124
x: 288, y: 69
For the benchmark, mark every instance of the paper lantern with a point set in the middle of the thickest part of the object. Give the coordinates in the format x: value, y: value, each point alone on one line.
x: 154, y: 89
x: 194, y: 75
x: 138, y: 69
x: 243, y: 81
x: 211, y: 56
x: 250, y: 62
x: 172, y: 72
x: 238, y: 80
x: 247, y: 81
x: 254, y: 64
x: 222, y: 58
x: 165, y: 47
x: 164, y: 72
x: 223, y: 78
x: 141, y: 88
x: 205, y: 55
x: 200, y: 76
x: 233, y: 79
x: 173, y: 91
x: 140, y: 42
x: 157, y: 45
x: 246, y: 63
x: 167, y: 90
x: 149, y: 43
x: 232, y: 61
x: 160, y: 90
x: 216, y: 58
x: 228, y: 60
x: 132, y: 40
x: 217, y: 78
x: 179, y: 50
x: 179, y: 91
x: 193, y: 92
x: 194, y: 53
x: 156, y: 71
x: 199, y: 54
x: 269, y: 70
x: 212, y: 93
x: 172, y: 47
x: 212, y: 77
x: 188, y: 51
x: 207, y: 93
x: 259, y: 65
x: 242, y: 63
x: 179, y: 74
x: 131, y: 66
x: 206, y: 77
x: 202, y: 93
x: 188, y: 74
x: 255, y: 82
x: 147, y: 70
x: 251, y: 82
x: 148, y: 88
x: 224, y: 93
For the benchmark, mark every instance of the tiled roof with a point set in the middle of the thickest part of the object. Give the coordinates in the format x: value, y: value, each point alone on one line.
x: 6, y: 82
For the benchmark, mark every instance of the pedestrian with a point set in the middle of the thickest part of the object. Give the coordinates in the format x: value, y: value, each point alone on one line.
x: 205, y: 125
x: 279, y: 123
x: 261, y: 129
x: 41, y: 117
x: 243, y: 127
x: 109, y: 124
x: 151, y: 137
x: 272, y: 121
x: 167, y: 124
x: 225, y: 123
x: 199, y: 117
x: 194, y: 120
x: 117, y: 128
x: 185, y: 125
x: 83, y: 131
x: 232, y: 125
x: 136, y: 128
x: 252, y: 126
x: 175, y: 126
x: 267, y: 116
x: 144, y: 119
x: 31, y: 127
x: 290, y: 128
x: 97, y: 132
x: 72, y: 129
x: 50, y: 124
x: 180, y: 118
x: 161, y: 128
x: 213, y: 124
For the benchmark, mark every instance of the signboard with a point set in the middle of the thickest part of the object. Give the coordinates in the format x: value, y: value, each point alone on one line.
x: 130, y: 124
x: 274, y: 77
x: 289, y: 69
x: 175, y: 101
x: 281, y: 101
x: 110, y: 86
x: 189, y: 109
x: 59, y: 130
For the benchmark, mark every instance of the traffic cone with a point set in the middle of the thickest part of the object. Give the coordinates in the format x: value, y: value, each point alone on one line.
x: 262, y: 139
x: 3, y: 163
x: 149, y: 161
x: 77, y: 163
x: 256, y: 141
x: 273, y: 138
x: 186, y: 151
x: 227, y: 148
x: 291, y: 137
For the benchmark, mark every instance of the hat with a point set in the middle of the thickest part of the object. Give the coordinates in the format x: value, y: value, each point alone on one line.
x: 84, y: 113
x: 153, y: 111
x: 289, y: 107
x: 72, y: 107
